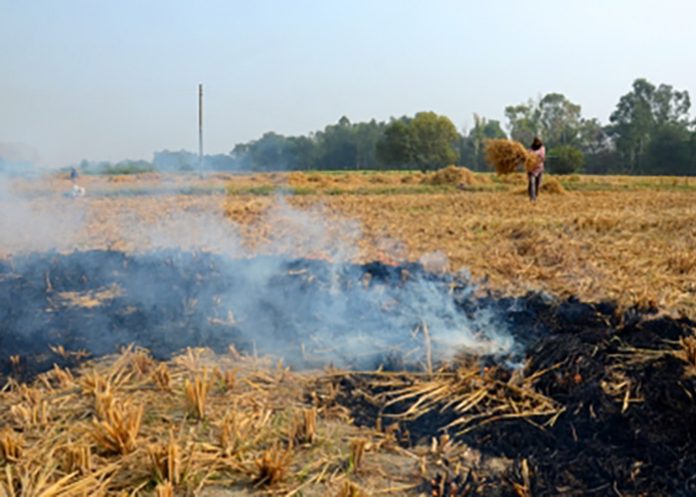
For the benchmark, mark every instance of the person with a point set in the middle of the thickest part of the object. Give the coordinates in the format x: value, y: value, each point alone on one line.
x: 534, y: 176
x: 73, y: 174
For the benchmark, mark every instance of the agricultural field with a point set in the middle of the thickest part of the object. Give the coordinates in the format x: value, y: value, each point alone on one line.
x: 629, y: 239
x: 500, y: 348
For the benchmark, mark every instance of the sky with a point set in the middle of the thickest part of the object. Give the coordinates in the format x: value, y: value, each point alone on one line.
x: 107, y: 80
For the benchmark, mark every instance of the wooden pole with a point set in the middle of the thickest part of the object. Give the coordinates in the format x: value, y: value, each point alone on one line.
x: 200, y: 128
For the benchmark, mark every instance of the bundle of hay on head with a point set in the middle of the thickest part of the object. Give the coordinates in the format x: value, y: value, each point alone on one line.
x: 507, y: 155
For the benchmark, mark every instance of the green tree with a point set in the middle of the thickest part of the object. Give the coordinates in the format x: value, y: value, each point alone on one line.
x: 565, y: 159
x: 435, y: 141
x: 524, y: 121
x: 471, y: 146
x: 592, y: 137
x: 367, y: 135
x: 559, y: 120
x: 428, y: 141
x: 553, y: 117
x: 302, y: 152
x: 269, y: 152
x: 336, y: 146
x: 670, y: 151
x: 640, y: 115
x: 396, y: 147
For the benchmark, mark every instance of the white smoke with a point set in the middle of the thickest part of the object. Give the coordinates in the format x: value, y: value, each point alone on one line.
x: 344, y: 315
x: 31, y: 222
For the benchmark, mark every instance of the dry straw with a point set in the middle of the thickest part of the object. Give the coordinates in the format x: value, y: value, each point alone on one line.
x: 450, y: 175
x: 505, y: 156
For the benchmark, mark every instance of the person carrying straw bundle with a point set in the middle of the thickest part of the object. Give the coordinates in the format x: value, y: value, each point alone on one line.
x: 534, y: 173
x: 505, y: 156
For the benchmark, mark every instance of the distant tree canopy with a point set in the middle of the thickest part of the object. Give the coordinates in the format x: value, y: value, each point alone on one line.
x: 427, y: 141
x: 650, y: 132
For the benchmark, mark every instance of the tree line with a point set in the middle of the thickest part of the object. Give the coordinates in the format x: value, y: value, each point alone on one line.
x: 649, y: 132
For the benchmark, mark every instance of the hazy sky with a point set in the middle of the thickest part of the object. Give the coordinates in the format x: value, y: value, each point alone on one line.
x: 108, y: 80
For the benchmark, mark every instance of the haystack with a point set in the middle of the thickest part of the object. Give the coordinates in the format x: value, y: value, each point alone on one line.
x: 507, y: 155
x: 450, y: 175
x: 552, y: 185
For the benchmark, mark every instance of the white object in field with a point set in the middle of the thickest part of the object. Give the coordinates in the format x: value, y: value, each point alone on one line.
x: 77, y: 191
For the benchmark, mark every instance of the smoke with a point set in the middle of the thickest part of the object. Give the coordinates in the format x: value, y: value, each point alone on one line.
x: 29, y: 223
x: 17, y: 155
x: 291, y: 290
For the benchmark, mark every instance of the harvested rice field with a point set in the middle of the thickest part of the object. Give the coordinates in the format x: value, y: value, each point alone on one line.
x: 348, y: 334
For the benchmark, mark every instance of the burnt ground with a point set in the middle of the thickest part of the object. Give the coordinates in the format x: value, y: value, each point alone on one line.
x: 97, y: 301
x: 637, y: 440
x: 599, y: 445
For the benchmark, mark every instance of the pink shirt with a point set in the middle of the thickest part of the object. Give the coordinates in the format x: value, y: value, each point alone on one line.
x: 542, y: 155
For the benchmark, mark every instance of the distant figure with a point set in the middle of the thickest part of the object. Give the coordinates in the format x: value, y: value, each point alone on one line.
x: 77, y: 191
x: 534, y: 176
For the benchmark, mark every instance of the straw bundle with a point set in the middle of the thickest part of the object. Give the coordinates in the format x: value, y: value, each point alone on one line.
x: 450, y: 175
x: 552, y: 185
x: 506, y: 155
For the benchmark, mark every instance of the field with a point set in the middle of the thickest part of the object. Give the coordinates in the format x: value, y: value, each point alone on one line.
x: 630, y: 239
x: 596, y: 283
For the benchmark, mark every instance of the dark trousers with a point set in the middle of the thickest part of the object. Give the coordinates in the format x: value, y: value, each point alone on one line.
x: 534, y: 183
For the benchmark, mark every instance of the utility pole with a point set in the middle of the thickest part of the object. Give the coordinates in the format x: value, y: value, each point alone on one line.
x: 200, y: 129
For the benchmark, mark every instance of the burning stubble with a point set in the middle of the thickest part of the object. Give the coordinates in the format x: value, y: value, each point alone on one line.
x: 296, y: 296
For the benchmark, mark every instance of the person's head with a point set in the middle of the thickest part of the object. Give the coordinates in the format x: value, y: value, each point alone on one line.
x: 537, y: 143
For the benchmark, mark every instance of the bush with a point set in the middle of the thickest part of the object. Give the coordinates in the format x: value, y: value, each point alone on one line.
x: 565, y: 159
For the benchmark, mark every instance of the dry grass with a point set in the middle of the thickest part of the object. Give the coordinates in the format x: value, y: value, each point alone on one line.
x: 304, y: 429
x: 618, y: 237
x: 196, y: 393
x: 687, y: 353
x: 505, y: 156
x: 476, y: 399
x: 166, y: 461
x: 123, y: 427
x: 260, y: 434
x: 162, y: 377
x: 553, y: 186
x: 357, y: 452
x: 272, y: 466
x: 633, y: 246
x: 117, y: 431
x: 454, y: 176
x: 11, y: 445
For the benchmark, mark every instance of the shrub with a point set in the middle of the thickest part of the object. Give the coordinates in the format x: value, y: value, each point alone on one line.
x: 565, y: 159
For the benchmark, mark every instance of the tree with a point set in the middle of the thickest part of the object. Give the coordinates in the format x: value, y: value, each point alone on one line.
x: 302, y: 152
x: 428, y: 141
x: 565, y: 159
x: 397, y: 144
x: 592, y: 137
x: 471, y: 145
x: 559, y: 120
x: 553, y: 117
x: 367, y: 135
x: 640, y: 115
x: 435, y: 141
x: 523, y: 121
x: 269, y: 152
x: 669, y: 151
x: 336, y: 146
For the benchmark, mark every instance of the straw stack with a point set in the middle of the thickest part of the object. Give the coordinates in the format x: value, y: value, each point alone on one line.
x: 507, y: 155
